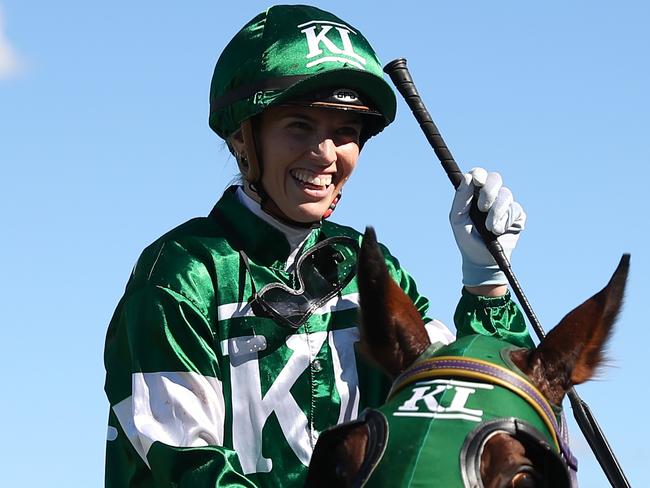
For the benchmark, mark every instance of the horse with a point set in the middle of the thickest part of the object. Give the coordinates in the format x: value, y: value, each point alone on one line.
x: 478, y: 412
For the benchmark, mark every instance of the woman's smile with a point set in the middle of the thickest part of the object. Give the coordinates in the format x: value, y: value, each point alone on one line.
x: 316, y: 185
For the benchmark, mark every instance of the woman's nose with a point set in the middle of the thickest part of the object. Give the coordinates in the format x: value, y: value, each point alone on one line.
x: 325, y: 151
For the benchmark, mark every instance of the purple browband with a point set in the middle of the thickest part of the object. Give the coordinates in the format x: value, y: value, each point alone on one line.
x: 514, y: 382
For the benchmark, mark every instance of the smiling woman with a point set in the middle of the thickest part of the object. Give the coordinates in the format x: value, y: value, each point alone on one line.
x: 233, y: 346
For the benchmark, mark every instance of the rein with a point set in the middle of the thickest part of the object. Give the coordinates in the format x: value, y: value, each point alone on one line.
x: 465, y: 367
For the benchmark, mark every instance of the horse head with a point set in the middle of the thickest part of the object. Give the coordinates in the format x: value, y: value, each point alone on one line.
x: 477, y: 412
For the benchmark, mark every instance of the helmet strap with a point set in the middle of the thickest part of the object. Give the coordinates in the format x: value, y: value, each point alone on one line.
x: 333, y: 205
x: 251, y: 166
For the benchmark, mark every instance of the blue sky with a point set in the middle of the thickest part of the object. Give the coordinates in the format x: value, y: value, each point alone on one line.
x: 104, y: 145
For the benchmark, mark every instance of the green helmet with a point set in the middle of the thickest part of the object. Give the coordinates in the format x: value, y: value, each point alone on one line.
x: 288, y: 52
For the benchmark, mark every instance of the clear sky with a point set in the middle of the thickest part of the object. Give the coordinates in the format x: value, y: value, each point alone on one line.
x: 104, y: 145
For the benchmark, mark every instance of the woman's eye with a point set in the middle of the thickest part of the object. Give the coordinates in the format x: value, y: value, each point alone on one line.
x: 350, y: 132
x: 300, y: 125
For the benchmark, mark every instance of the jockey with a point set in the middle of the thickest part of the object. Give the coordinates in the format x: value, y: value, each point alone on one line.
x: 233, y: 345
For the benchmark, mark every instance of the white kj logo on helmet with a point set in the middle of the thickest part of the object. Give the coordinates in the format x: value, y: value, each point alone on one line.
x: 319, y: 40
x: 346, y: 95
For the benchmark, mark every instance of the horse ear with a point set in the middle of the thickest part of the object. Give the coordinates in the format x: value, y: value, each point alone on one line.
x: 571, y: 353
x: 392, y: 331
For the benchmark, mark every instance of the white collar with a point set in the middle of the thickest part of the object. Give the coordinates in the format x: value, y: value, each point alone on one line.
x: 296, y: 236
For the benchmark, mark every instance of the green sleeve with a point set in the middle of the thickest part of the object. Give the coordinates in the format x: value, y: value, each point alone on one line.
x: 406, y: 283
x: 163, y: 381
x: 491, y: 316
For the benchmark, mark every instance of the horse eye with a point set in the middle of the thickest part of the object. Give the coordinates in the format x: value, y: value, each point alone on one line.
x: 526, y: 478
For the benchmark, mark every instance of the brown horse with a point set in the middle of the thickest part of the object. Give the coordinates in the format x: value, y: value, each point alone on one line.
x: 508, y: 453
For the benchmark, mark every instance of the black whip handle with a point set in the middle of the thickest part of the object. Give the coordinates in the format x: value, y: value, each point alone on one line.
x: 401, y: 77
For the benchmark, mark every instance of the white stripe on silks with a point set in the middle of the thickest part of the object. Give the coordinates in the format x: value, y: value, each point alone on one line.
x: 340, y: 302
x: 345, y: 371
x: 124, y: 414
x: 438, y: 332
x: 234, y: 310
x: 181, y: 409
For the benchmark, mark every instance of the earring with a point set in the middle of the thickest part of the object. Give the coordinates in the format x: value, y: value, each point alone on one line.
x: 243, y: 164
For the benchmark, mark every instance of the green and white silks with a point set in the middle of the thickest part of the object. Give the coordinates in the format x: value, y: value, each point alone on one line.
x: 204, y: 393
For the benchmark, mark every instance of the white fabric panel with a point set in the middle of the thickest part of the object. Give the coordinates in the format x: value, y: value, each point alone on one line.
x: 438, y: 332
x: 124, y: 413
x: 340, y: 302
x: 233, y: 310
x: 181, y: 409
x: 345, y: 371
x: 337, y: 303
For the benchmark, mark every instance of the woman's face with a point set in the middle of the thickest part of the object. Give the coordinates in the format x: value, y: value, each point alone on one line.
x: 307, y: 156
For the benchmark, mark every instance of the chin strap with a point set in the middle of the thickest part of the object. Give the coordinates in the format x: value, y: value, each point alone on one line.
x: 251, y: 167
x: 333, y: 205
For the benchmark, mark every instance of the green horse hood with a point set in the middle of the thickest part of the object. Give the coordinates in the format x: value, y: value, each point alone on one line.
x: 437, y: 407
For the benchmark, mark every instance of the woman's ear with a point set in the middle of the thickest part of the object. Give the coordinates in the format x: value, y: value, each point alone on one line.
x: 237, y: 147
x: 242, y: 144
x: 236, y: 143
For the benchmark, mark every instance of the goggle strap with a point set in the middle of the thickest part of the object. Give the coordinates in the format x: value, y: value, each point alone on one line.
x: 244, y: 259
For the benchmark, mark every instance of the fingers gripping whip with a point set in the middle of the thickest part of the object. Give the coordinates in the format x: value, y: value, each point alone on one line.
x: 403, y: 81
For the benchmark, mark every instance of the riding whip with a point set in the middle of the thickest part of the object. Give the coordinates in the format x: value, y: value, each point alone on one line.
x: 403, y: 81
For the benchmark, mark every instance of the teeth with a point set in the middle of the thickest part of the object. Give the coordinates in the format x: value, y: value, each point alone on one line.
x: 308, y: 177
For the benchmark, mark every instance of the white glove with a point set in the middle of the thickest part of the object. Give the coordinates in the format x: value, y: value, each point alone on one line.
x: 505, y: 218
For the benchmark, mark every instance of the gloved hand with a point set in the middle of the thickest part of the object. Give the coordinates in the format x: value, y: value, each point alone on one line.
x: 505, y: 218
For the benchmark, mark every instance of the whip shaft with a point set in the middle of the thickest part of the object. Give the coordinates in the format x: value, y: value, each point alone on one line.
x: 403, y: 81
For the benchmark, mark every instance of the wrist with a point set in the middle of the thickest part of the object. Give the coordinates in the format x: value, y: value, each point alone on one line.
x: 487, y: 290
x: 479, y: 275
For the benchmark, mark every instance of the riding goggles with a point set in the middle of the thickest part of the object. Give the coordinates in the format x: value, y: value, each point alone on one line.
x: 319, y: 274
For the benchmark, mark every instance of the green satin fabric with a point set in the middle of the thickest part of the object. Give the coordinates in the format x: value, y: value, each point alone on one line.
x: 497, y: 317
